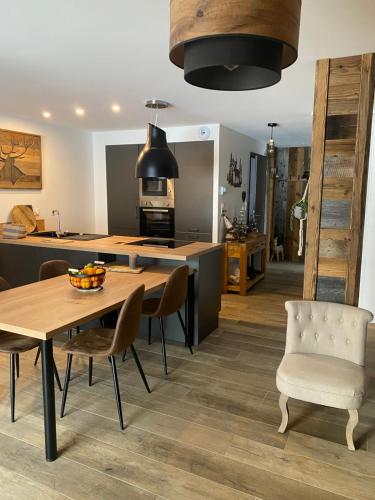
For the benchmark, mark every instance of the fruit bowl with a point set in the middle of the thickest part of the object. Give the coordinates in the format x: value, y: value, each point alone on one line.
x: 91, y: 277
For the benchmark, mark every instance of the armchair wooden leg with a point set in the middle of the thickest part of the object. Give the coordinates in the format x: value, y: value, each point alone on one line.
x: 350, y: 426
x: 283, y: 404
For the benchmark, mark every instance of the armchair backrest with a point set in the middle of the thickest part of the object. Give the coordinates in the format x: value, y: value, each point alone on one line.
x: 326, y: 328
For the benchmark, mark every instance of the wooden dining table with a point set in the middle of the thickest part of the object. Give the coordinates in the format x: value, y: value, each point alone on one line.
x: 44, y: 309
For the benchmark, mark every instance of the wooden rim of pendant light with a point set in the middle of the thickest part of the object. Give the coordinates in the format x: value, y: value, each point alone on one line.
x: 234, y: 44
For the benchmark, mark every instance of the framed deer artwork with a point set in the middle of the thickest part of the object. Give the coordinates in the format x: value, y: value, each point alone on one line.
x: 20, y: 160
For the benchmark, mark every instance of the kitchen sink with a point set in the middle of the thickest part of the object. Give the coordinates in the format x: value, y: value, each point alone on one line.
x: 70, y: 236
x: 52, y: 234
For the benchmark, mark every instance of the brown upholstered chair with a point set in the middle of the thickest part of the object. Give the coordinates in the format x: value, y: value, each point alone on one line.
x: 173, y: 298
x: 109, y: 342
x: 52, y: 269
x: 14, y: 344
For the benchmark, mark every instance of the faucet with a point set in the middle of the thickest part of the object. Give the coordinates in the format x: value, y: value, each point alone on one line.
x: 56, y: 213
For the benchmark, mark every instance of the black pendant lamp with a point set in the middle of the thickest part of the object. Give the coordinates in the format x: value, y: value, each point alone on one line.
x: 156, y: 160
x: 234, y: 44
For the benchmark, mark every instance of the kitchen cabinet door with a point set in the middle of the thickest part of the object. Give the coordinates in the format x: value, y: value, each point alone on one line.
x: 194, y: 190
x: 122, y: 190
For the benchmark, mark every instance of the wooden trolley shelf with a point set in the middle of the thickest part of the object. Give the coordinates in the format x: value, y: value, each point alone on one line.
x: 253, y: 244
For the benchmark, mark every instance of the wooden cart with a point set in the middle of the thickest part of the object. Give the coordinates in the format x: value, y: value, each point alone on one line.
x: 253, y: 244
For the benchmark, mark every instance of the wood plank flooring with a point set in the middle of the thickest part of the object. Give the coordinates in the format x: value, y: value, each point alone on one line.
x: 207, y: 431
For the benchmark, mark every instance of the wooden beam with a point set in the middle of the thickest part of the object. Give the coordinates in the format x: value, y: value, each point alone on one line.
x: 316, y: 178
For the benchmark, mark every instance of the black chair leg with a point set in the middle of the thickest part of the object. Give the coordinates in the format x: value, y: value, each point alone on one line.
x: 37, y: 356
x: 90, y: 371
x: 70, y: 334
x: 140, y: 369
x: 12, y: 386
x: 149, y: 330
x: 185, y: 333
x: 57, y: 378
x: 163, y: 345
x: 66, y: 383
x: 123, y: 356
x: 18, y: 365
x: 117, y: 391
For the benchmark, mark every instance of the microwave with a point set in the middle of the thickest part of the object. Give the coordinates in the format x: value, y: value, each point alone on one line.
x: 156, y: 192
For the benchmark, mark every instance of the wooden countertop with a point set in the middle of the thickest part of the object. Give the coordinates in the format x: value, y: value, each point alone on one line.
x: 118, y: 245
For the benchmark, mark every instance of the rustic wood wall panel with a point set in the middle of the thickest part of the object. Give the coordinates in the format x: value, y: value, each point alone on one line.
x: 335, y: 214
x: 331, y: 289
x: 344, y: 96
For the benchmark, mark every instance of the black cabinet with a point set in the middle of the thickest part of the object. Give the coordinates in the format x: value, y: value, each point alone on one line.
x: 194, y: 190
x: 122, y: 190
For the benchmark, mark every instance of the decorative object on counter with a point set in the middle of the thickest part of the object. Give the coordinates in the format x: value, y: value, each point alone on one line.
x: 14, y: 231
x: 234, y: 176
x: 237, y: 232
x: 123, y: 268
x: 20, y: 160
x: 277, y: 251
x: 236, y: 44
x: 90, y: 278
x: 156, y: 159
x: 254, y: 227
x: 23, y: 214
x: 299, y: 211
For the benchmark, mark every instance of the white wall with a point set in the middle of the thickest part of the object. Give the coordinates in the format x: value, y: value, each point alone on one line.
x: 67, y: 176
x: 367, y: 286
x: 241, y: 146
x: 110, y: 138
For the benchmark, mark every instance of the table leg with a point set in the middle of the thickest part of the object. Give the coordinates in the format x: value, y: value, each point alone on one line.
x: 49, y: 401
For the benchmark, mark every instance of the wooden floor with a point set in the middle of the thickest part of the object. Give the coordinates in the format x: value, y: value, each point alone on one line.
x: 209, y: 431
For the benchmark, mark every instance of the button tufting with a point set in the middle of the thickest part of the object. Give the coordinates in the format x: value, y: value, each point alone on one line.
x: 354, y: 323
x: 311, y: 316
x: 325, y: 318
x: 332, y: 337
x: 301, y: 334
x: 316, y: 336
x: 347, y: 341
x: 341, y: 320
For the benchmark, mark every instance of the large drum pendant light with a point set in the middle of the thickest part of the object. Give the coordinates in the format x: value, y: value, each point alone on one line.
x: 234, y: 44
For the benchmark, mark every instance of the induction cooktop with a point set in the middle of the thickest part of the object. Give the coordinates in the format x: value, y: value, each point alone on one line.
x: 160, y: 243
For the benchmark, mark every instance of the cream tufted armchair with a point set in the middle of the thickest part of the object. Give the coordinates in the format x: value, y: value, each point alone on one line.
x: 324, y: 358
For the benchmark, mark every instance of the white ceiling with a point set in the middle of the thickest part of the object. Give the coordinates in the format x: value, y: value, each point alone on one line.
x: 57, y: 55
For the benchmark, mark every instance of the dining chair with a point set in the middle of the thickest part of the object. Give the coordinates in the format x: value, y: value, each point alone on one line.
x: 15, y: 344
x: 324, y: 361
x: 173, y: 298
x: 52, y: 269
x: 109, y: 342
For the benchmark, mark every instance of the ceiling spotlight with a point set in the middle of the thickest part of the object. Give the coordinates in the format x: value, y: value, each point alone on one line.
x: 80, y: 111
x: 46, y: 114
x: 116, y: 108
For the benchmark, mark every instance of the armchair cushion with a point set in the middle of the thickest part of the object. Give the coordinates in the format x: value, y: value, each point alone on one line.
x: 320, y: 379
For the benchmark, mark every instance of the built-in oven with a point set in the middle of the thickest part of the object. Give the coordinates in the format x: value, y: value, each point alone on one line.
x: 156, y: 192
x: 157, y: 222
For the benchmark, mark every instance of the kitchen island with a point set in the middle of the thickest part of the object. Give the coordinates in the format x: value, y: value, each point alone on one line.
x: 20, y: 261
